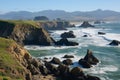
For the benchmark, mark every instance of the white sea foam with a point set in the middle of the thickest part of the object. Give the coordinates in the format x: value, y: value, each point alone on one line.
x: 34, y: 47
x: 102, y: 70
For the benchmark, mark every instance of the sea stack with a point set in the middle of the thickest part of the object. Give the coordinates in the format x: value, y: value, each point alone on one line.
x: 88, y: 60
x: 86, y: 24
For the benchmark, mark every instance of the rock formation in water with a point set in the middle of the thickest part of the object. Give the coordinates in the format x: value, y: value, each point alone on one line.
x: 25, y: 32
x: 85, y: 24
x: 88, y: 60
x: 65, y: 42
x: 115, y: 43
x: 69, y: 34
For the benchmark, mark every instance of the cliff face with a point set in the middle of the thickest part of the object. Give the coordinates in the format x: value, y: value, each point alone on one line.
x: 55, y: 25
x: 26, y: 33
x: 17, y: 64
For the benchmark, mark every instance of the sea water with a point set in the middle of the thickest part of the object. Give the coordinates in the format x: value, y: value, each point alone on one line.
x: 109, y: 56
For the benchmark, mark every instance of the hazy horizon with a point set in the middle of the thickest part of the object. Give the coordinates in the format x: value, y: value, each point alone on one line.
x: 66, y: 5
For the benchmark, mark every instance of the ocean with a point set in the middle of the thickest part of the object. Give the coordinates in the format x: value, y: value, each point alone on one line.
x: 109, y: 56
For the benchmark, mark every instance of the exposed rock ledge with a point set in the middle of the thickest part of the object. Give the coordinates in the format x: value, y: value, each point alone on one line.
x: 25, y: 32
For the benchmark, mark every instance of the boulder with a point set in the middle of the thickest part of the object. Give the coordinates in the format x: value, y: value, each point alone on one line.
x: 88, y: 60
x: 85, y: 35
x: 101, y: 33
x: 68, y: 62
x: 89, y: 77
x: 85, y: 24
x: 115, y: 43
x: 84, y: 63
x: 52, y: 69
x: 63, y: 69
x: 69, y: 34
x: 68, y: 56
x: 55, y: 61
x: 76, y: 72
x: 44, y: 70
x: 65, y: 42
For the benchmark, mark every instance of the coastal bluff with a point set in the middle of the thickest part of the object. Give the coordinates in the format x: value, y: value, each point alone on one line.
x: 25, y: 32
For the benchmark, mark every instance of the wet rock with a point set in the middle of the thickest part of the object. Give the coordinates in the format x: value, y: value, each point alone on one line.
x: 101, y: 33
x: 68, y: 56
x: 85, y: 35
x: 88, y: 60
x: 77, y: 72
x: 92, y: 78
x: 115, y: 43
x: 44, y: 70
x: 55, y: 60
x: 69, y: 34
x: 85, y: 24
x: 84, y: 63
x: 64, y: 70
x: 65, y: 42
x: 68, y: 62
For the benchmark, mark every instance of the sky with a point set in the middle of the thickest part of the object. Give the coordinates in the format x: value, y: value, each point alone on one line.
x: 67, y: 5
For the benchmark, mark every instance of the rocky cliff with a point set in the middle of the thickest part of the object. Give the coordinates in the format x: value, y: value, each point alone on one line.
x: 56, y: 25
x: 17, y: 64
x: 25, y: 32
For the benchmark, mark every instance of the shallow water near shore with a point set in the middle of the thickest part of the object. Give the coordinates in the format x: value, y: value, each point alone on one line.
x: 109, y: 56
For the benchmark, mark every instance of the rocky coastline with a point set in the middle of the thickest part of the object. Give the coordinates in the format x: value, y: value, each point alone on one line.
x: 13, y: 35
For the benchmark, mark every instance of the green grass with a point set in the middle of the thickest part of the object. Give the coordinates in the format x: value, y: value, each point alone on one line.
x: 7, y: 61
x: 21, y: 22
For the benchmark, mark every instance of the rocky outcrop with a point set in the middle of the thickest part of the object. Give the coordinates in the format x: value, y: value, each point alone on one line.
x: 115, y: 43
x: 55, y: 25
x: 69, y: 34
x: 65, y: 42
x: 88, y: 60
x: 68, y: 56
x: 17, y: 63
x: 101, y: 33
x: 68, y: 62
x: 25, y: 32
x: 55, y: 61
x: 85, y: 24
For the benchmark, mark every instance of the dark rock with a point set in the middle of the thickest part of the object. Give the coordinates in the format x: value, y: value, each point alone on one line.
x: 115, y: 43
x: 28, y: 76
x: 68, y: 62
x: 44, y: 70
x: 77, y: 72
x: 92, y: 78
x: 85, y: 35
x: 52, y: 69
x: 101, y: 33
x: 69, y: 34
x: 68, y: 56
x: 88, y: 60
x: 65, y: 42
x: 84, y: 63
x: 55, y: 60
x: 64, y: 70
x: 85, y: 24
